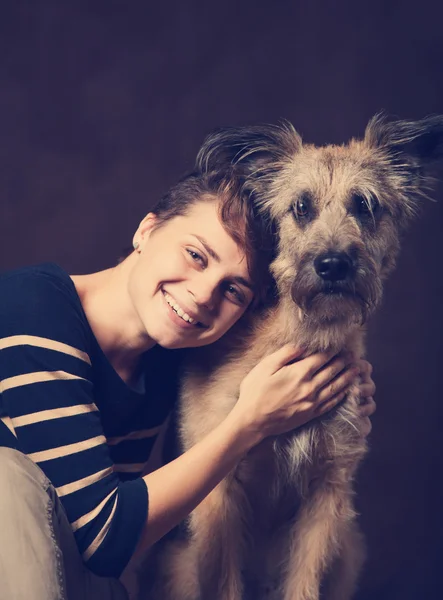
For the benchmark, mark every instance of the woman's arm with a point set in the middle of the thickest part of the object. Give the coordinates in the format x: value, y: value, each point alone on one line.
x: 177, y: 488
x: 48, y: 412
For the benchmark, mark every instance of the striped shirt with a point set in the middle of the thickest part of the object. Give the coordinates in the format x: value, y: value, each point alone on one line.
x: 63, y: 405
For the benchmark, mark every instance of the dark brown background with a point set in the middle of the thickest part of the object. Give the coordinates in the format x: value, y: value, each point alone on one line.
x: 103, y: 105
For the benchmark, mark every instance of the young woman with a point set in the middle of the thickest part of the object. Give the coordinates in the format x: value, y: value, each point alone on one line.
x: 87, y: 377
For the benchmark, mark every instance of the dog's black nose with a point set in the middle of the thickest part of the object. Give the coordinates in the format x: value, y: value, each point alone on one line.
x: 333, y: 266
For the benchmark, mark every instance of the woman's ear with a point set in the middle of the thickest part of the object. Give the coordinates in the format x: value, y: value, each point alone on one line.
x: 143, y: 231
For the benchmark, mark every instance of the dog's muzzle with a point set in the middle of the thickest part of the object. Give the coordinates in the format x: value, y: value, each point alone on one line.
x: 330, y: 285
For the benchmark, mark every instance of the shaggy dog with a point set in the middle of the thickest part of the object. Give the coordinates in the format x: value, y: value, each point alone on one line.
x: 282, y: 525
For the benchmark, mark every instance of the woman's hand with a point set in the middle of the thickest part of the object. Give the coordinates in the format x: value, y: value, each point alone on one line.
x: 282, y: 393
x: 367, y: 391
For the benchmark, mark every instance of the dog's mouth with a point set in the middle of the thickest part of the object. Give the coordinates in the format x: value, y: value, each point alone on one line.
x: 334, y: 288
x: 336, y: 304
x: 340, y: 290
x: 334, y: 301
x: 335, y: 294
x: 334, y: 291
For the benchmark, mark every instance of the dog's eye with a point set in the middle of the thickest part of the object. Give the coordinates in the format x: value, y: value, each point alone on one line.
x: 366, y: 205
x: 301, y: 208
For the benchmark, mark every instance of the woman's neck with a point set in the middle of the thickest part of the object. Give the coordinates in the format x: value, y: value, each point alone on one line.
x: 112, y: 318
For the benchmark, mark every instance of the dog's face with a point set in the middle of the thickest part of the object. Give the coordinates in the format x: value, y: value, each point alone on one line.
x: 338, y: 215
x: 339, y: 211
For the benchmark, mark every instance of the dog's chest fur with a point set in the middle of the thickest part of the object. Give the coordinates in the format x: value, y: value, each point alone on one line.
x: 211, y: 389
x: 280, y: 472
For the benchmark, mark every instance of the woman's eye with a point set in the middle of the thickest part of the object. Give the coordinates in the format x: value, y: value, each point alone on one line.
x: 233, y: 291
x: 195, y: 256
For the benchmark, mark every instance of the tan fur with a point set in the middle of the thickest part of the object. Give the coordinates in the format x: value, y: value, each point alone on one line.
x: 283, y: 523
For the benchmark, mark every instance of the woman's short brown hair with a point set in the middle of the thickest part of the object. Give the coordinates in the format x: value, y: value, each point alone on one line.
x: 235, y: 165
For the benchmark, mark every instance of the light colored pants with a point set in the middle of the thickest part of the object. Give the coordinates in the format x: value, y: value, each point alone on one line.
x: 39, y: 558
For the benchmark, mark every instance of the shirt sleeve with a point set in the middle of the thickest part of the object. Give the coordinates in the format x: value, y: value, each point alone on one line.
x: 47, y: 403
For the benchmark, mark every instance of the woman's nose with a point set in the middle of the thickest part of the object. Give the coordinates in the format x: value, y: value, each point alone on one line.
x: 204, y: 293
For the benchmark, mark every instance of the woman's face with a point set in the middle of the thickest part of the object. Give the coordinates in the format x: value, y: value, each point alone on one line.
x: 190, y: 283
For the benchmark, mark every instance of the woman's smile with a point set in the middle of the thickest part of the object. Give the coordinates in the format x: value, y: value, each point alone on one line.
x: 178, y: 315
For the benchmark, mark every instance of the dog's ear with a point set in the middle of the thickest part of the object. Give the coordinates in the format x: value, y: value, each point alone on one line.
x: 247, y: 152
x: 412, y: 147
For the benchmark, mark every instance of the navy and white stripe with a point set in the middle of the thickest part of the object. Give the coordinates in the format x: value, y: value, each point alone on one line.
x: 63, y: 405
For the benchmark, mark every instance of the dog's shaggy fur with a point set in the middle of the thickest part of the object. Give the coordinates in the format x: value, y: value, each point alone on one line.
x: 282, y: 525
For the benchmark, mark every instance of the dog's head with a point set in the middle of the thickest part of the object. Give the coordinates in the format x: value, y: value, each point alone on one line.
x: 338, y: 210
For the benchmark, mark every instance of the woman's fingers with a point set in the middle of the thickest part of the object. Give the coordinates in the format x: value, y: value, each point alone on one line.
x: 325, y: 407
x: 337, y: 385
x: 330, y: 371
x: 365, y: 368
x: 365, y: 427
x: 282, y: 357
x: 367, y: 386
x: 367, y: 390
x: 317, y: 361
x: 367, y: 408
x: 365, y: 424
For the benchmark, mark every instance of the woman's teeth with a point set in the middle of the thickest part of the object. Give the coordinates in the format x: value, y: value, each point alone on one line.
x: 181, y: 313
